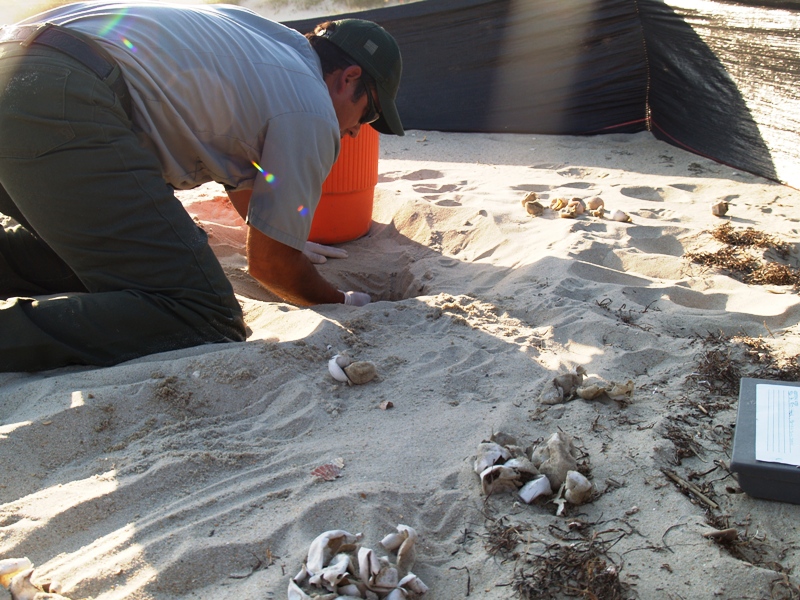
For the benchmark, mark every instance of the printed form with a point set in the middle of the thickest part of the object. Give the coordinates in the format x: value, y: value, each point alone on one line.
x: 778, y: 424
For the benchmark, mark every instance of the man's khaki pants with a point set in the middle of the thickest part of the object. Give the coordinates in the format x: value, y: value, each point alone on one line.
x: 105, y: 264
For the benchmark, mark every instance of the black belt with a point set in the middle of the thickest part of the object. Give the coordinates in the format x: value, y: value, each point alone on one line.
x: 73, y: 44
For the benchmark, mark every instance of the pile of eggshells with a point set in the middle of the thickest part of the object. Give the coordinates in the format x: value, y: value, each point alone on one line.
x: 567, y: 386
x: 504, y: 466
x: 339, y: 568
x: 570, y: 209
x: 16, y: 574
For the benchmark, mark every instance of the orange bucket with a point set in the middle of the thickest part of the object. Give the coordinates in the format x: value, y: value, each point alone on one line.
x: 344, y: 212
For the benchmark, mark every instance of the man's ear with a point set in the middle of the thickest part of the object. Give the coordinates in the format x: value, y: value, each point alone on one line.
x: 351, y: 74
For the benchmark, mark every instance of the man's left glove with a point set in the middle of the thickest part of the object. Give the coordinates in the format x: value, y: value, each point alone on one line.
x: 356, y: 298
x: 317, y: 253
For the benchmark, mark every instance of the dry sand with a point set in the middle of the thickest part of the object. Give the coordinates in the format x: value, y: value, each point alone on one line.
x: 187, y: 474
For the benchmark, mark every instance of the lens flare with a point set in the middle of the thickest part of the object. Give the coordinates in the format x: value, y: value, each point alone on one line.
x: 302, y: 210
x: 269, y: 177
x: 128, y: 44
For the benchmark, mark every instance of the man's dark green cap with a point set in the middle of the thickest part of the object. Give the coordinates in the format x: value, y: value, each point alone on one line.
x: 377, y: 52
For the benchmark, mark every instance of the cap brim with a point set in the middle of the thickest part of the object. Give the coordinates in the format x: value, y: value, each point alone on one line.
x: 389, y: 122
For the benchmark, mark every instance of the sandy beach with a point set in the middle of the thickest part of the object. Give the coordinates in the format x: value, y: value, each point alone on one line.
x: 189, y: 474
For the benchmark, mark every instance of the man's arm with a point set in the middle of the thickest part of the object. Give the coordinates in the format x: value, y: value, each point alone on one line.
x: 287, y: 272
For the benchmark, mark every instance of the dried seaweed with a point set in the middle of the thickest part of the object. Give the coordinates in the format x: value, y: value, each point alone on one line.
x: 733, y: 260
x: 502, y: 538
x: 774, y: 274
x: 718, y: 372
x: 739, y: 262
x: 750, y: 237
x: 577, y: 569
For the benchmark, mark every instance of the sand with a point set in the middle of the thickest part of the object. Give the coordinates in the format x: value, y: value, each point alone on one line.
x: 188, y: 474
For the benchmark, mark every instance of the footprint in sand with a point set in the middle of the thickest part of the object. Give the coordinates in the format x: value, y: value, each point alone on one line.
x: 577, y: 172
x: 433, y: 193
x: 423, y: 174
x: 413, y: 176
x: 547, y: 166
x: 533, y: 188
x: 643, y: 193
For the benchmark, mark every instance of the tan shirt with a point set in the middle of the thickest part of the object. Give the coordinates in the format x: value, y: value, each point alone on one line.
x: 216, y: 89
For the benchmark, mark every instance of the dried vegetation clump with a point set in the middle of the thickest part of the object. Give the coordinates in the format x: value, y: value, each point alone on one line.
x: 724, y: 360
x: 581, y: 569
x: 737, y: 258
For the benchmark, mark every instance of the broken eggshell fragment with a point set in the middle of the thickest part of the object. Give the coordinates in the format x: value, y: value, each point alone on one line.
x: 594, y: 203
x: 413, y: 584
x: 499, y: 479
x: 563, y: 387
x: 22, y: 588
x: 555, y: 458
x: 534, y: 209
x: 578, y: 489
x: 343, y: 368
x: 10, y: 567
x: 336, y: 367
x: 295, y: 593
x: 719, y: 209
x: 621, y: 391
x: 326, y: 545
x: 490, y: 454
x: 539, y: 486
x: 620, y: 216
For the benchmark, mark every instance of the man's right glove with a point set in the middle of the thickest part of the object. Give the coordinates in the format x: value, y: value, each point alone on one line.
x: 356, y: 298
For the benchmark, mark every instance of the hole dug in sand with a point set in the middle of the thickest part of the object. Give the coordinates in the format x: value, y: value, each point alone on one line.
x: 409, y: 242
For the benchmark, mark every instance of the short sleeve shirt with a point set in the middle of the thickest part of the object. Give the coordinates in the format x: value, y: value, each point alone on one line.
x: 222, y: 94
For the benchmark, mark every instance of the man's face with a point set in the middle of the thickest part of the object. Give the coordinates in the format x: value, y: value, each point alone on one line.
x: 354, y: 107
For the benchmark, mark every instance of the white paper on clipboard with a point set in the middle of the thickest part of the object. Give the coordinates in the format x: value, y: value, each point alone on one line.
x: 778, y: 424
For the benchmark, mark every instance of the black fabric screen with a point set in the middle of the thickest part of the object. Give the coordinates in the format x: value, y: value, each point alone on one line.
x: 721, y: 79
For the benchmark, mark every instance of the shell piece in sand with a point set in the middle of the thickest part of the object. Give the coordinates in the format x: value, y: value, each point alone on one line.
x: 577, y: 488
x: 22, y: 588
x: 720, y: 209
x: 555, y: 458
x: 615, y: 391
x: 413, y: 584
x: 524, y: 467
x: 326, y: 545
x: 551, y: 394
x: 385, y: 579
x: 499, y: 479
x: 577, y: 206
x: 621, y: 391
x: 407, y: 553
x: 295, y: 593
x: 534, y: 209
x: 563, y: 388
x: 336, y: 367
x: 558, y: 203
x: 368, y: 564
x: 620, y: 216
x: 332, y: 574
x: 532, y: 205
x: 404, y: 542
x: 361, y: 371
x: 539, y: 486
x: 590, y: 392
x: 594, y: 203
x: 598, y: 212
x: 490, y: 454
x: 10, y: 567
x: 530, y: 197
